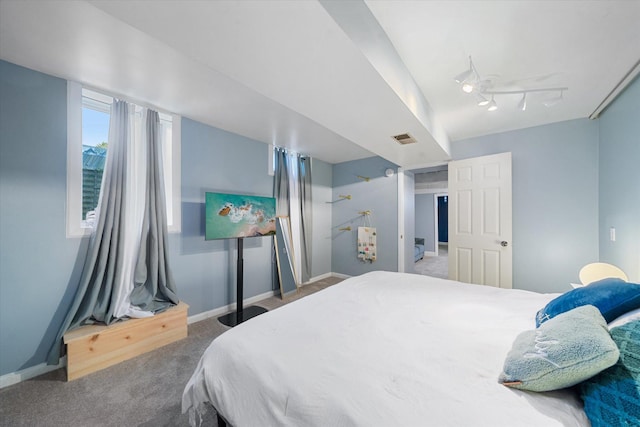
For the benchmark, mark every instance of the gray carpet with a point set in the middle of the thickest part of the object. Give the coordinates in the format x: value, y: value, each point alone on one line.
x: 436, y: 266
x: 144, y: 391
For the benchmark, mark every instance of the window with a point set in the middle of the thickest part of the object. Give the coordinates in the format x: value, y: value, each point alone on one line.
x: 271, y: 165
x: 95, y: 136
x: 87, y: 148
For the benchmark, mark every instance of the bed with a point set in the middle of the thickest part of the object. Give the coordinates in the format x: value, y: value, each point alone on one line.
x: 382, y: 349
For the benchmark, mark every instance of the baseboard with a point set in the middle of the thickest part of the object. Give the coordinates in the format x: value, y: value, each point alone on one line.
x: 316, y: 278
x: 30, y: 372
x: 429, y: 253
x: 227, y: 308
x: 34, y: 371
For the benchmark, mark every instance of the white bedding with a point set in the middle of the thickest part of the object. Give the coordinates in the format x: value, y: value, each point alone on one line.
x: 381, y: 349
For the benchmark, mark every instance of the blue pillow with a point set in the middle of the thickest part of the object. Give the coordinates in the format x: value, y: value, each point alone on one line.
x: 612, y: 398
x: 613, y: 297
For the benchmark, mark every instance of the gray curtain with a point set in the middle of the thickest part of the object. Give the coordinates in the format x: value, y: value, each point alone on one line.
x: 154, y: 287
x: 281, y: 182
x: 104, y: 254
x: 304, y: 185
x: 284, y: 207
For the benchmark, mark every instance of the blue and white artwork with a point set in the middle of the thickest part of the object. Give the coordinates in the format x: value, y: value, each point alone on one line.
x: 233, y: 215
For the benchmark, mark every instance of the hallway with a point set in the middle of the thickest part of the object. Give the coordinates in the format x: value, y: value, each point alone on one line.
x: 436, y: 266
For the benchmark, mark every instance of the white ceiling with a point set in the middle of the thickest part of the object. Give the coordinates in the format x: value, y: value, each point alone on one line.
x: 587, y: 46
x: 333, y: 79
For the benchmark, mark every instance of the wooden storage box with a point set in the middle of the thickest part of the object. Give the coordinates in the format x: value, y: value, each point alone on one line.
x: 94, y: 347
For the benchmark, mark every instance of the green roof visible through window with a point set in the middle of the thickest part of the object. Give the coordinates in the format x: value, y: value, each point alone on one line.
x: 95, y: 134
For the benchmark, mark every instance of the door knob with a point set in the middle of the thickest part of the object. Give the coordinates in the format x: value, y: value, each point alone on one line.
x: 504, y: 243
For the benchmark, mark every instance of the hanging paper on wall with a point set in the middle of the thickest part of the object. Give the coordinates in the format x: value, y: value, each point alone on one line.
x: 367, y: 247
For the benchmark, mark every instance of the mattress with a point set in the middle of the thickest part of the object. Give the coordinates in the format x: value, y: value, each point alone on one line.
x: 379, y: 349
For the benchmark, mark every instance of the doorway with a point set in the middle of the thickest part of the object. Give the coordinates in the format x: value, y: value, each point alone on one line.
x: 442, y: 218
x: 435, y: 262
x: 431, y: 221
x: 442, y: 224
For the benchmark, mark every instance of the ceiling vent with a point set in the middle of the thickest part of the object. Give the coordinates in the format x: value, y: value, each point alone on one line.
x: 404, y: 139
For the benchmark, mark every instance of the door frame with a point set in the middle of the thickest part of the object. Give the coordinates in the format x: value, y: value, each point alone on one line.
x: 436, y: 216
x: 401, y: 209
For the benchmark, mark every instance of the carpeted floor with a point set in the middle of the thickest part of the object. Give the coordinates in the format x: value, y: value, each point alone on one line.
x: 144, y: 391
x: 436, y: 266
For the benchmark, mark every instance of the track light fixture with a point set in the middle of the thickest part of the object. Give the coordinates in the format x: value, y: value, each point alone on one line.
x: 469, y: 79
x: 467, y: 87
x: 553, y: 101
x: 472, y: 82
x: 463, y: 76
x: 522, y: 105
x: 482, y: 101
x: 492, y: 105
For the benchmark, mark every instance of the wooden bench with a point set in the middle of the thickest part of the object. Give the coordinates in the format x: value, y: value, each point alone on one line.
x: 94, y: 347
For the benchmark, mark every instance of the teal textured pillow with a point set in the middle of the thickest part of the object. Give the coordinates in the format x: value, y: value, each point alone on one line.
x: 562, y: 352
x: 613, y: 297
x: 612, y: 398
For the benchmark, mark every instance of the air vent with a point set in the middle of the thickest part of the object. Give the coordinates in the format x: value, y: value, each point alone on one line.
x: 404, y: 139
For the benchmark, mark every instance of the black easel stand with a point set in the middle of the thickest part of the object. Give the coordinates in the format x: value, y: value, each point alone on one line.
x: 240, y: 315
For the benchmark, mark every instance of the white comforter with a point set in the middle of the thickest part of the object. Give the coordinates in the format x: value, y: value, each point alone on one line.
x: 381, y: 349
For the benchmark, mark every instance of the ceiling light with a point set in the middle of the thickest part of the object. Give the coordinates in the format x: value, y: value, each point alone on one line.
x: 493, y: 106
x: 482, y: 101
x: 469, y: 79
x: 553, y: 101
x: 472, y: 83
x: 460, y: 78
x: 522, y: 105
x: 463, y: 76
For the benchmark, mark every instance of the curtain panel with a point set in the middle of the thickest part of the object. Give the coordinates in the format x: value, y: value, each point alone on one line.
x: 305, y: 206
x: 281, y: 182
x: 129, y: 238
x: 292, y: 190
x: 154, y: 287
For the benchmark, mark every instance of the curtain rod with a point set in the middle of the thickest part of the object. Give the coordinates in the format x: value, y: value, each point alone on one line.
x: 622, y: 84
x: 277, y: 147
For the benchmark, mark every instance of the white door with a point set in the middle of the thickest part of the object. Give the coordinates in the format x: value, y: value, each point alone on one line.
x: 480, y: 220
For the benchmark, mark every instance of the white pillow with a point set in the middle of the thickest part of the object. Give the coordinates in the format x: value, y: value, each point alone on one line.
x: 625, y: 318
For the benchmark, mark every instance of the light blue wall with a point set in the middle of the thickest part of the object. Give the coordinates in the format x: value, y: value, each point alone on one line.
x: 425, y: 221
x: 39, y: 266
x: 205, y: 271
x: 555, y: 199
x: 620, y: 181
x: 379, y: 195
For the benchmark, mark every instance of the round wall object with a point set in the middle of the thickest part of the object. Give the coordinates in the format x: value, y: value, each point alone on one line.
x: 388, y: 172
